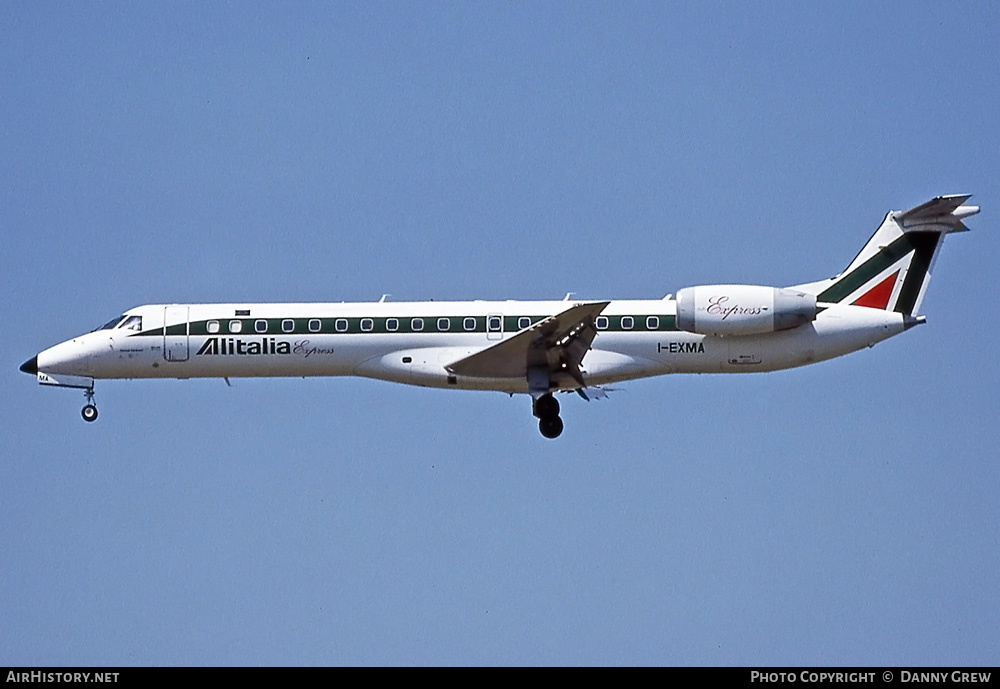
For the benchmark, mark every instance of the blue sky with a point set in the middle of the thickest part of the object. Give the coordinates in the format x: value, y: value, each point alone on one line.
x: 843, y: 513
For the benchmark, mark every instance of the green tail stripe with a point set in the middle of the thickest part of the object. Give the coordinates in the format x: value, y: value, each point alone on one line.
x: 925, y: 245
x: 871, y: 268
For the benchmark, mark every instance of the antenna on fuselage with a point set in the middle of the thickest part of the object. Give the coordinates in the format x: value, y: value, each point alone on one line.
x: 384, y: 298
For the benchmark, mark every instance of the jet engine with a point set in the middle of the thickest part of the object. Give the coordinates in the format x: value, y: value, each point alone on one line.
x: 742, y: 309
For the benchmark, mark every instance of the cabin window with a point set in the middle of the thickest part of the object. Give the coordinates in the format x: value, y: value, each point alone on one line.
x: 314, y: 325
x: 494, y: 324
x: 367, y: 324
x: 132, y: 323
x: 523, y: 322
x: 601, y: 323
x: 444, y: 324
x: 287, y: 325
x: 652, y: 322
x: 392, y: 324
x: 340, y: 325
x: 469, y: 323
x: 235, y: 326
x: 417, y: 324
x: 627, y: 322
x: 260, y: 325
x: 212, y: 327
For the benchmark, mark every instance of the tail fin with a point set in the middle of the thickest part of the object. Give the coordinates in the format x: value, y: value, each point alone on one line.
x: 892, y: 271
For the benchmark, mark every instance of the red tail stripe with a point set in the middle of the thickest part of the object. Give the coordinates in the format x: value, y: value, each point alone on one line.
x: 878, y: 296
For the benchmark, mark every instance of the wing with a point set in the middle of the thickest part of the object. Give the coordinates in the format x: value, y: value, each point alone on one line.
x: 557, y: 343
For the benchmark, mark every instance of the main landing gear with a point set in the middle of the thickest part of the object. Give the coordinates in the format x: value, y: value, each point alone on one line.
x: 89, y: 412
x: 546, y: 408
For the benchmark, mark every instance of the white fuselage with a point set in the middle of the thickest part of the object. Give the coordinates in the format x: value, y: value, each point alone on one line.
x: 414, y: 342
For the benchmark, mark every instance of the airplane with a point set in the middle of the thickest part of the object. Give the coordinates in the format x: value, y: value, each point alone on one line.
x: 536, y: 348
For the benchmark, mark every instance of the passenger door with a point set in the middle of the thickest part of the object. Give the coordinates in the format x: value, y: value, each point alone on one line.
x: 175, y: 333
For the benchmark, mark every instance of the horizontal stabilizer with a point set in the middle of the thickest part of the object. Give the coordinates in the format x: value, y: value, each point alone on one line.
x: 942, y: 209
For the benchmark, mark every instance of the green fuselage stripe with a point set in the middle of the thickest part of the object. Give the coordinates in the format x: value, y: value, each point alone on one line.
x: 363, y: 325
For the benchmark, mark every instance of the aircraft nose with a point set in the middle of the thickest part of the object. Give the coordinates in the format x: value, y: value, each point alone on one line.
x: 30, y: 366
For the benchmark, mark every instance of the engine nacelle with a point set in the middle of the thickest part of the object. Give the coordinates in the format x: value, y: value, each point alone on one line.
x: 742, y: 309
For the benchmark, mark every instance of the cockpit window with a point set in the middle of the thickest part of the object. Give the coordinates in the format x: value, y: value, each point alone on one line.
x: 112, y: 323
x: 132, y: 323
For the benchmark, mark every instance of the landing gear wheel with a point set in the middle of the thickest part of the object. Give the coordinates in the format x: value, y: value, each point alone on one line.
x: 550, y: 426
x: 89, y: 413
x: 546, y: 406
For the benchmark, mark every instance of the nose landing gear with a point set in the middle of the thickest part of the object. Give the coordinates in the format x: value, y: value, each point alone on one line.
x: 89, y: 412
x: 546, y: 408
